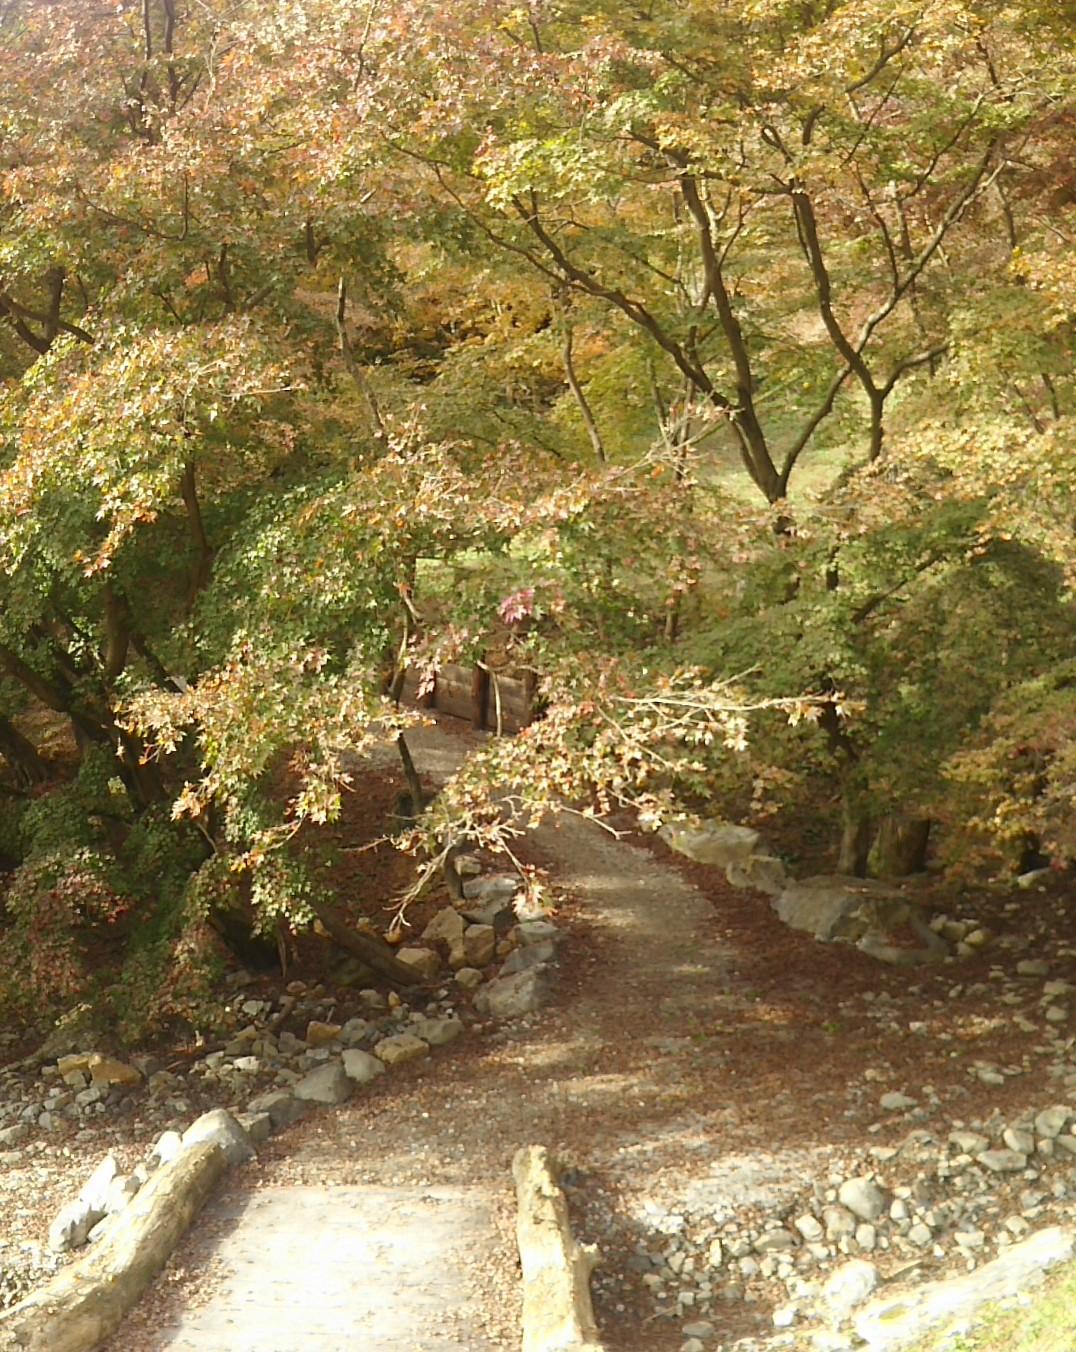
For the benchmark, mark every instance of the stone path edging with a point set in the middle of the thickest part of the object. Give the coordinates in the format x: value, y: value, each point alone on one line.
x: 556, y: 1268
x: 85, y: 1303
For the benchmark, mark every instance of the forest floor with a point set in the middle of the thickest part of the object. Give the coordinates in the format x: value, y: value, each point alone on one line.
x: 696, y: 1043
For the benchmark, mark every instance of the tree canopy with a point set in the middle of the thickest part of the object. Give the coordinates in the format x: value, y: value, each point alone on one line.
x: 714, y: 363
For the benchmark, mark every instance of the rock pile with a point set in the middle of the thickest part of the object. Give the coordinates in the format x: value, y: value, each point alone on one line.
x: 929, y: 1203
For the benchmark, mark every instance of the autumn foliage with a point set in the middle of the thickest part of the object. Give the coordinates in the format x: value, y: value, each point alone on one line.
x: 714, y: 363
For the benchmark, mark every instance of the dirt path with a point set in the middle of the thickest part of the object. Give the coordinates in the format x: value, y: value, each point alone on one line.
x: 692, y: 1055
x: 340, y: 1268
x: 609, y: 1077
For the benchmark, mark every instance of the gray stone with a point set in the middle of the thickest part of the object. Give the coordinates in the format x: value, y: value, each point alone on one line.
x: 479, y: 946
x: 437, y: 1032
x: 773, y: 1241
x: 469, y: 978
x: 424, y: 961
x: 14, y: 1135
x: 401, y: 1048
x: 446, y: 927
x: 758, y: 873
x: 258, y: 1126
x: 355, y: 1031
x: 327, y: 1084
x: 539, y: 932
x: 849, y: 1286
x: 711, y: 842
x: 896, y: 1102
x: 523, y: 959
x: 497, y: 887
x: 165, y: 1149
x: 221, y: 1129
x: 1002, y: 1161
x: 361, y: 1066
x: 1032, y: 967
x: 897, y: 1321
x: 510, y: 997
x: 969, y: 1142
x: 283, y: 1108
x: 120, y: 1191
x: 1051, y: 1121
x: 1067, y: 1143
x: 487, y: 912
x: 72, y: 1225
x: 863, y: 1198
x: 809, y: 1227
x: 860, y: 911
x: 1019, y: 1139
x: 921, y: 1235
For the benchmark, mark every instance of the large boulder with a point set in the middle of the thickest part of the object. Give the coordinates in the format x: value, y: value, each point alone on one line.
x: 878, y: 919
x: 711, y: 842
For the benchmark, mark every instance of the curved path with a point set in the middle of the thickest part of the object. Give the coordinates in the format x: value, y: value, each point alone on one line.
x: 620, y: 1077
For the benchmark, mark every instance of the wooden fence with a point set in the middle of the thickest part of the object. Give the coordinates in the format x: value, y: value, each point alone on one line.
x: 488, y: 699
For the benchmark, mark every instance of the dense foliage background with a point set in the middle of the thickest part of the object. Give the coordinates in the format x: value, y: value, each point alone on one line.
x: 713, y: 362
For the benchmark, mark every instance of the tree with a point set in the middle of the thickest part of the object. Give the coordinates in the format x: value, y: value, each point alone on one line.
x: 715, y: 366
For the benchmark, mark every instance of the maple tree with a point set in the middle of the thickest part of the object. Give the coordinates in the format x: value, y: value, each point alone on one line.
x: 714, y: 364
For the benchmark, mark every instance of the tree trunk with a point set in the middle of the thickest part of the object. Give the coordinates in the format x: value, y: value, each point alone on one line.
x: 21, y: 755
x: 900, y: 846
x: 855, y: 839
x: 414, y: 784
x: 373, y: 952
x: 84, y: 1304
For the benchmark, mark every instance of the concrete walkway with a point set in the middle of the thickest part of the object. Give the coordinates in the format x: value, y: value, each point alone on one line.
x: 304, y: 1269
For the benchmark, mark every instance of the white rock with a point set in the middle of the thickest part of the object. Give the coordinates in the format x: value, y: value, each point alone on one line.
x: 849, y: 1286
x: 969, y: 1142
x: 839, y: 1222
x: 219, y: 1128
x: 1002, y: 1161
x: 72, y: 1225
x: 863, y: 1198
x: 896, y: 1102
x: 1019, y: 1139
x: 361, y: 1067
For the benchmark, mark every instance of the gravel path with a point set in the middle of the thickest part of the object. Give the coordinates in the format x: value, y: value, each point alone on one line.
x: 698, y: 1055
x: 600, y: 1077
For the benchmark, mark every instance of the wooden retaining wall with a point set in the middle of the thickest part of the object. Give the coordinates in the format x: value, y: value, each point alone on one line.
x: 487, y: 699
